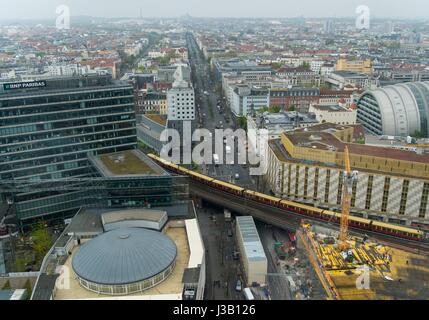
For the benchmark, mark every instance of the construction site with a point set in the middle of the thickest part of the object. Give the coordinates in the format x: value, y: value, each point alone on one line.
x: 367, y: 270
x: 357, y: 268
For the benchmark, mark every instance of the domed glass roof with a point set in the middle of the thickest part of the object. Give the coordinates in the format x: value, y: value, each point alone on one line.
x: 124, y: 256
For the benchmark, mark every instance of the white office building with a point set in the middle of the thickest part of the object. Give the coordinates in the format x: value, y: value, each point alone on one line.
x: 246, y: 99
x: 316, y: 65
x: 180, y: 99
x: 334, y: 114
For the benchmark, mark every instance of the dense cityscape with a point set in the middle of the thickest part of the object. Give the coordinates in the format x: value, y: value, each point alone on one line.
x: 192, y: 158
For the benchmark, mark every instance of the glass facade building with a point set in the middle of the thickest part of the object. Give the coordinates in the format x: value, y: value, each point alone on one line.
x: 47, y: 132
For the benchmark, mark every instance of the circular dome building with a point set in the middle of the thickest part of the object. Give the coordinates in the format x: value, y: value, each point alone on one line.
x: 125, y: 261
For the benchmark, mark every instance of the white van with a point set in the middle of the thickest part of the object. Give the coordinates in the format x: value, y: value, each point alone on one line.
x: 216, y: 159
x: 248, y: 294
x: 238, y: 287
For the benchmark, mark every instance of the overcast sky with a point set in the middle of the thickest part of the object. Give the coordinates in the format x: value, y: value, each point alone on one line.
x: 41, y: 9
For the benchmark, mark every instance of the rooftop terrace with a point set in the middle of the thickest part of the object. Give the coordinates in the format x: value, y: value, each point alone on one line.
x: 327, y: 141
x: 162, y: 120
x: 127, y: 163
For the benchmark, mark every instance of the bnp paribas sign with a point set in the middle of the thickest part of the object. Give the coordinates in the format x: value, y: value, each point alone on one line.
x: 24, y: 85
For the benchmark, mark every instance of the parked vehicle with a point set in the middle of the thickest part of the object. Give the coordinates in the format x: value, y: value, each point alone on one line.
x: 248, y: 294
x: 236, y: 255
x: 216, y: 159
x: 227, y: 214
x: 238, y: 287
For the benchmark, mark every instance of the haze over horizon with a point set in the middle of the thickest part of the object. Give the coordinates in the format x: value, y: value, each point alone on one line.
x: 45, y: 9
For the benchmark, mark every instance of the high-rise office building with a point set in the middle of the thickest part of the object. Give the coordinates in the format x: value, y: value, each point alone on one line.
x: 329, y: 26
x: 49, y: 128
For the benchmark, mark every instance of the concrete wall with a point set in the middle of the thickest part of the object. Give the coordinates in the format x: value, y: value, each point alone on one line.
x: 154, y: 225
x: 257, y: 272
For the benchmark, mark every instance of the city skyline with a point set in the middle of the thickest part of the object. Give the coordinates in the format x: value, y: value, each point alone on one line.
x: 27, y: 10
x: 214, y: 151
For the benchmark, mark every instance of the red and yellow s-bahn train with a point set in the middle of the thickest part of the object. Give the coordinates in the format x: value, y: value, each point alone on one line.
x: 298, y: 208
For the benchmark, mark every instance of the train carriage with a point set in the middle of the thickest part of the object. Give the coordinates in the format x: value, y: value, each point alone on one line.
x: 257, y: 196
x: 200, y: 177
x: 331, y: 216
x: 308, y: 210
x: 167, y: 164
x: 395, y: 230
x: 302, y: 209
x: 228, y: 187
x: 360, y: 223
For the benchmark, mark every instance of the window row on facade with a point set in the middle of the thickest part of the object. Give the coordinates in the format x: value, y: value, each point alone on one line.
x: 126, y: 289
x: 372, y: 193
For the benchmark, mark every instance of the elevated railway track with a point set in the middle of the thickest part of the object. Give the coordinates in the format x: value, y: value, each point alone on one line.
x: 288, y: 220
x: 288, y: 214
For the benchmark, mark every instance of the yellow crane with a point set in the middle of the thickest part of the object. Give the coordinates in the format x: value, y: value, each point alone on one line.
x: 349, y: 178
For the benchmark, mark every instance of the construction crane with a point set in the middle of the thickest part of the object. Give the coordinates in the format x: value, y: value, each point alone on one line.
x: 349, y: 178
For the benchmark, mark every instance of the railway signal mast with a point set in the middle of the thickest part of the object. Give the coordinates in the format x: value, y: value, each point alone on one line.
x: 349, y: 178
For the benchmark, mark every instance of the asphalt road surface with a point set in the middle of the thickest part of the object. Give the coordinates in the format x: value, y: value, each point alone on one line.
x: 222, y: 271
x: 209, y: 116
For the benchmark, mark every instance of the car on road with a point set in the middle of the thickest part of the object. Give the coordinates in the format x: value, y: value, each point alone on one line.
x: 229, y: 233
x: 237, y: 176
x: 239, y: 286
x: 216, y: 159
x: 248, y: 294
x: 236, y: 255
x: 189, y: 294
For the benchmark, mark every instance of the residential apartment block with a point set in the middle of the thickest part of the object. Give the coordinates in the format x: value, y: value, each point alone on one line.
x: 246, y: 100
x: 359, y: 66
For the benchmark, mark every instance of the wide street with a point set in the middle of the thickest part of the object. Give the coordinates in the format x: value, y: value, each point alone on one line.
x: 222, y: 270
x: 212, y: 113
